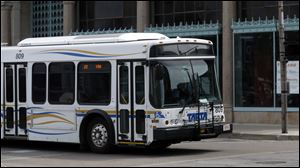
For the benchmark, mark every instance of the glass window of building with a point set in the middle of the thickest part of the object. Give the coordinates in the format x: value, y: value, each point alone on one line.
x: 170, y: 12
x: 292, y: 53
x: 257, y: 62
x: 253, y: 70
x: 95, y: 15
x: 47, y: 18
x: 262, y: 9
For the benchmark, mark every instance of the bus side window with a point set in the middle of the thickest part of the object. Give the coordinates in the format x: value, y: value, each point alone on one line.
x: 61, y: 83
x: 9, y: 85
x: 94, y: 83
x: 22, y: 85
x: 124, y: 85
x: 140, y: 85
x: 39, y: 83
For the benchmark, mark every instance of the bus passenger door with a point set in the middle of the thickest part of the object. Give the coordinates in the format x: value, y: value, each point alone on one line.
x: 124, y: 116
x: 139, y: 104
x: 15, y: 99
x: 131, y: 102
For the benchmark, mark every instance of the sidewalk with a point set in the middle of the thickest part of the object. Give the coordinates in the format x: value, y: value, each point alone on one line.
x: 262, y: 132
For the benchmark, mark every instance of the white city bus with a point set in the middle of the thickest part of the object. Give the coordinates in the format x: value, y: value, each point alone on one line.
x: 138, y: 89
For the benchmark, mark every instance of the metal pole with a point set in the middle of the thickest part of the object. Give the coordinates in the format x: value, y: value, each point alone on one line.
x: 283, y: 71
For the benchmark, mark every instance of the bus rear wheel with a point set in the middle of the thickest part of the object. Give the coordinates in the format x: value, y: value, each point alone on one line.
x: 99, y: 137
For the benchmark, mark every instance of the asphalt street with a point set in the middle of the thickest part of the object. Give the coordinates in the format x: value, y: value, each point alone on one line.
x: 221, y: 152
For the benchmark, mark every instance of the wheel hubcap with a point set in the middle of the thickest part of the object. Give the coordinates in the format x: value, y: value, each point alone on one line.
x: 99, y: 135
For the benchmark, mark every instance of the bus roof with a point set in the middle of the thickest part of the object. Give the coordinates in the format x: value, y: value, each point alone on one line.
x: 88, y: 39
x: 3, y: 44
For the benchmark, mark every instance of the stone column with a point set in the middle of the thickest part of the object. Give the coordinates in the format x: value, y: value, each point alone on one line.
x: 229, y: 14
x: 6, y: 22
x: 142, y: 15
x: 26, y: 19
x: 69, y: 17
x: 15, y: 25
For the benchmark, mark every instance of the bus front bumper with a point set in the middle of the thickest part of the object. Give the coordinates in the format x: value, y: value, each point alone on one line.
x: 191, y: 133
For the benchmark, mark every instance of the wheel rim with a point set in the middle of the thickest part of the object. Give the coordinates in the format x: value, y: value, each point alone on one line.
x: 99, y: 135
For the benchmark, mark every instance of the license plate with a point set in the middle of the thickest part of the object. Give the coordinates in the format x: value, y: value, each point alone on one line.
x: 226, y: 127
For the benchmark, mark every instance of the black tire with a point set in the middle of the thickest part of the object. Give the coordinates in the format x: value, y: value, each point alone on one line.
x: 99, y: 136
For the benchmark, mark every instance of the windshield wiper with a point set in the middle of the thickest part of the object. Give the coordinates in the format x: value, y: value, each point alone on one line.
x: 184, y: 105
x: 192, y: 94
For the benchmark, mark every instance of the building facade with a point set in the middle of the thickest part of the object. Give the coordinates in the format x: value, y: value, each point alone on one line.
x: 244, y: 33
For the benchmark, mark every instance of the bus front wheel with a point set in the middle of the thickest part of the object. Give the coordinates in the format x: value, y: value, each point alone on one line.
x: 99, y: 137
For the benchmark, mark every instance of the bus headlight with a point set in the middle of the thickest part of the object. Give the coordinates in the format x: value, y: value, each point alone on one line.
x: 167, y: 122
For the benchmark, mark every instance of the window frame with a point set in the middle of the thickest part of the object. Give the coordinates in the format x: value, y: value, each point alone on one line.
x: 9, y: 91
x: 110, y: 83
x: 140, y: 100
x: 46, y: 89
x: 49, y: 82
x: 127, y: 101
x: 22, y: 85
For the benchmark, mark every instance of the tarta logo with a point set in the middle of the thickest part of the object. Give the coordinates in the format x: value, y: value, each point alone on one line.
x: 195, y: 116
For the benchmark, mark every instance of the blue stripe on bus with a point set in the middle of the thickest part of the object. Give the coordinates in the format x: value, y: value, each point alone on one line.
x: 112, y: 116
x: 80, y: 55
x: 29, y: 108
x: 45, y: 133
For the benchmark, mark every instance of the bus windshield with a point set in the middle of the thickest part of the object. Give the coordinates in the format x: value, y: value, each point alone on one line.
x: 175, y: 81
x: 175, y: 50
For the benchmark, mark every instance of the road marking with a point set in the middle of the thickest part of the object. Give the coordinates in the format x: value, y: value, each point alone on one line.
x: 26, y: 158
x: 17, y: 158
x: 22, y: 151
x: 220, y: 157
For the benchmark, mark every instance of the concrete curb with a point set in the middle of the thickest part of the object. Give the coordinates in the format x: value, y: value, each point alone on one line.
x: 250, y: 136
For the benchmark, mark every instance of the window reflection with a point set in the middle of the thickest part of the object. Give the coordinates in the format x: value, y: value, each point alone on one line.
x: 39, y: 83
x: 61, y: 83
x: 254, y: 70
x: 256, y: 9
x: 186, y: 11
x: 94, y: 83
x: 292, y: 37
x: 107, y: 14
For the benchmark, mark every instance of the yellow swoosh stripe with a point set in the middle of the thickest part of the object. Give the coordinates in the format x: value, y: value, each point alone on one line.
x: 35, y: 116
x: 91, y: 52
x: 87, y: 110
x: 132, y: 143
x: 50, y: 122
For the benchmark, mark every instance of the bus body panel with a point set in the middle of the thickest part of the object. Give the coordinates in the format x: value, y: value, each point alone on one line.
x: 62, y: 123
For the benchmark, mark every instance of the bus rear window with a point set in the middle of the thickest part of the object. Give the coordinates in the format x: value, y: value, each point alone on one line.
x: 179, y: 50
